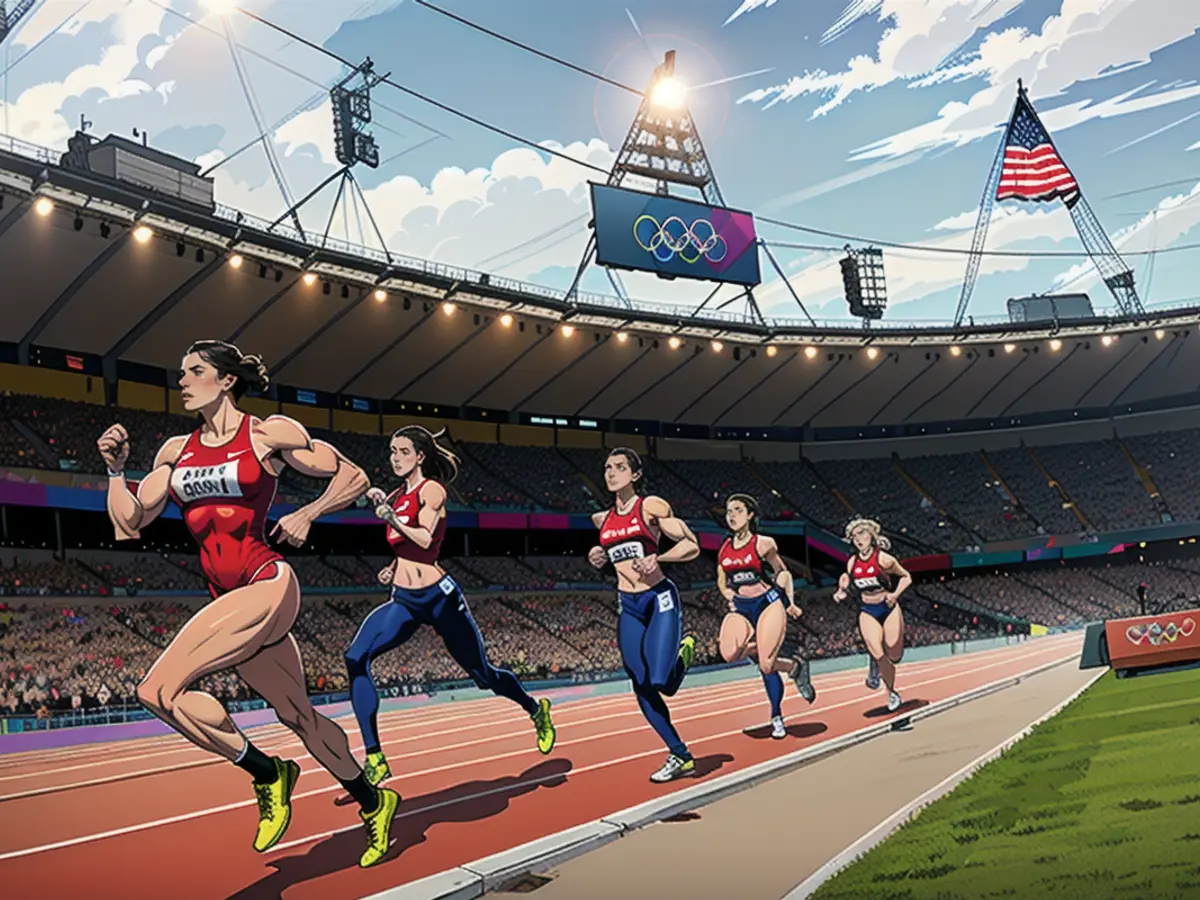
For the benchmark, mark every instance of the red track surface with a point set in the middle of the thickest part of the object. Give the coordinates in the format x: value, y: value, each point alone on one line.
x: 157, y: 818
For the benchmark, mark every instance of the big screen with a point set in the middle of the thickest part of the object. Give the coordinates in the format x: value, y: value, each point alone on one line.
x: 673, y: 237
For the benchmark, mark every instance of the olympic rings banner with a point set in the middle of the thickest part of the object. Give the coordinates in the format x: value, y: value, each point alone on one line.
x: 673, y: 237
x: 1153, y: 640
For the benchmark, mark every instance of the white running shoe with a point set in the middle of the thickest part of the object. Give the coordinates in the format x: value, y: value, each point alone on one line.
x: 674, y: 767
x: 778, y: 731
x: 893, y: 701
x: 873, y: 674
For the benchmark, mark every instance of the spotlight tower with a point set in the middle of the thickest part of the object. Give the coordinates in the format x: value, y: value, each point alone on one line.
x: 353, y: 144
x: 663, y: 147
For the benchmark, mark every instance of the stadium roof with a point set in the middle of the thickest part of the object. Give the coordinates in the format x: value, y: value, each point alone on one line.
x: 76, y: 279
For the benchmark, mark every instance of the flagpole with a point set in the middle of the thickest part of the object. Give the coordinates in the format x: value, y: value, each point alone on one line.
x: 984, y: 219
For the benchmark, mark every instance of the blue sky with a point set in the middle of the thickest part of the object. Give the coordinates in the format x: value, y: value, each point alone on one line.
x: 877, y: 118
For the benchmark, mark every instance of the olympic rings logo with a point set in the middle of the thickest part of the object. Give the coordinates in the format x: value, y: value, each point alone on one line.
x: 674, y: 237
x: 1155, y: 634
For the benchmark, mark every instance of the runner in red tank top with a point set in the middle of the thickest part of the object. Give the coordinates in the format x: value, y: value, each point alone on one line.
x: 654, y: 649
x: 757, y: 621
x: 223, y: 477
x: 422, y: 593
x: 879, y: 580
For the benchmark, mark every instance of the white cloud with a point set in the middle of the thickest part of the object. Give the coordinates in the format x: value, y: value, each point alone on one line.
x: 749, y: 6
x: 460, y: 217
x: 46, y: 17
x: 912, y: 275
x: 921, y: 38
x: 36, y: 114
x: 1171, y: 219
x: 1087, y: 41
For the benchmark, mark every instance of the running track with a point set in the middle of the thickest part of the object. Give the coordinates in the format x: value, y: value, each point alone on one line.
x: 157, y: 818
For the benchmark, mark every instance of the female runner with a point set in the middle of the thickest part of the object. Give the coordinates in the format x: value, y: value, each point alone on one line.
x: 223, y: 477
x: 423, y: 594
x: 757, y: 621
x: 880, y: 619
x: 654, y: 650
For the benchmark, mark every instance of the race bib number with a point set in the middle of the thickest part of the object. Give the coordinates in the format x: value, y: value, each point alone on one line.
x: 446, y: 585
x: 626, y: 551
x: 865, y: 584
x: 204, y: 482
x: 666, y: 602
x: 743, y: 577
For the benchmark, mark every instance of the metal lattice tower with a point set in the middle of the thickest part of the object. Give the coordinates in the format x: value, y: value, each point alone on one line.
x: 9, y: 20
x: 663, y: 145
x: 1117, y: 275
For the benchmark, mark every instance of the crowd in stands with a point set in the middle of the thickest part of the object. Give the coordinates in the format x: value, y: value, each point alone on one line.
x: 74, y: 651
x: 943, y: 503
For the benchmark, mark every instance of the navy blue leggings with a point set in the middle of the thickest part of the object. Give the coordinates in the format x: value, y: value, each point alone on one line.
x: 649, y: 630
x: 389, y: 625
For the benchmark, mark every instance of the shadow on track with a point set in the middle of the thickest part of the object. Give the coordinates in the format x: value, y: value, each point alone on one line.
x: 468, y: 802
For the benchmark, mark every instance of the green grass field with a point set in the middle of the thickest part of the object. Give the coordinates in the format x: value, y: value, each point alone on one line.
x: 1101, y: 801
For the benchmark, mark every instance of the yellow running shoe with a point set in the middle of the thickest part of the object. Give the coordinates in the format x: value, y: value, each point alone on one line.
x: 546, y: 733
x: 377, y: 768
x: 275, y: 804
x: 379, y: 827
x: 687, y: 650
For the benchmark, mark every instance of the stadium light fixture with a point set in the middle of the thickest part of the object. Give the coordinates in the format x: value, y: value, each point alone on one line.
x: 1107, y: 340
x: 674, y: 342
x: 506, y: 320
x: 717, y: 346
x: 380, y: 294
x: 810, y: 352
x: 1160, y: 334
x: 142, y: 234
x: 772, y: 350
x: 568, y: 330
x: 310, y: 278
x: 448, y: 308
x: 669, y: 93
x: 236, y: 260
x: 872, y: 352
x: 622, y: 336
x: 956, y: 351
x: 1056, y: 345
x: 44, y: 206
x: 1010, y: 348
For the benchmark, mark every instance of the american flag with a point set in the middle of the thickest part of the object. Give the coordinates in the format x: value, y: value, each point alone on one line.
x: 1032, y: 167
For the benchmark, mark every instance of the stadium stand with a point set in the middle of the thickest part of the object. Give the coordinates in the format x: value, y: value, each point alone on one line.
x: 71, y: 638
x: 946, y: 502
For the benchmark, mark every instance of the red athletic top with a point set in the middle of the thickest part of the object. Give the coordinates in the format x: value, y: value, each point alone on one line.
x: 225, y: 494
x: 627, y: 536
x: 742, y: 568
x: 866, y: 575
x: 407, y: 506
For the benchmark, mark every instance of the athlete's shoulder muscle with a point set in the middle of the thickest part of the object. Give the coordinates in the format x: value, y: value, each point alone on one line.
x: 172, y: 448
x: 281, y: 433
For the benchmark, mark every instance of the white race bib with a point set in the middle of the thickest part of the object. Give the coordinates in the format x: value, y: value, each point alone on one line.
x: 447, y: 585
x: 191, y: 483
x: 666, y: 602
x: 628, y: 550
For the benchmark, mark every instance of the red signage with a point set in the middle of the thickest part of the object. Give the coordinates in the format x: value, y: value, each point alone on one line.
x: 1153, y: 640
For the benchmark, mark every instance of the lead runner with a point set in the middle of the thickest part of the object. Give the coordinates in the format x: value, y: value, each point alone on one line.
x: 223, y: 478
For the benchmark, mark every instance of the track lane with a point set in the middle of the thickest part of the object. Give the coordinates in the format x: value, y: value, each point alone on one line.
x: 468, y: 790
